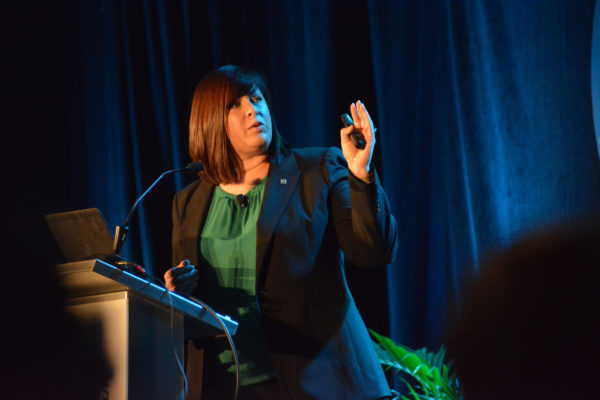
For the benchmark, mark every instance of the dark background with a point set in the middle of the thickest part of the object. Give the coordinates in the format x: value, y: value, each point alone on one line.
x: 484, y: 113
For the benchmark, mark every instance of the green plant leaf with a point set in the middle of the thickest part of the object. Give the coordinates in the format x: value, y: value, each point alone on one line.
x: 412, y: 391
x: 434, y: 377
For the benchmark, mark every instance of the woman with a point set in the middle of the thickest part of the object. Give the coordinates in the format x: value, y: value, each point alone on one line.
x: 268, y: 228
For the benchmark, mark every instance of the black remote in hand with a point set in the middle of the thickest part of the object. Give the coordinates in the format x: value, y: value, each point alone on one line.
x: 355, y: 136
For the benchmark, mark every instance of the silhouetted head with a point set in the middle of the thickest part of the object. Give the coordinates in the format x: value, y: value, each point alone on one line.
x: 529, y: 325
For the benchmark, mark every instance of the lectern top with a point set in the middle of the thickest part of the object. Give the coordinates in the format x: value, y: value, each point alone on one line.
x: 94, y: 277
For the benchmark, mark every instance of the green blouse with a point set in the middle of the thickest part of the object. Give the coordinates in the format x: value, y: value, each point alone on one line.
x: 228, y: 240
x: 228, y: 245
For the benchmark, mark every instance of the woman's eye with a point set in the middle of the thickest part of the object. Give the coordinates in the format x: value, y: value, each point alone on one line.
x: 256, y: 99
x: 234, y: 104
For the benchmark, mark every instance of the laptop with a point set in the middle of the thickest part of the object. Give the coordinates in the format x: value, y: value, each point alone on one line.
x: 81, y: 234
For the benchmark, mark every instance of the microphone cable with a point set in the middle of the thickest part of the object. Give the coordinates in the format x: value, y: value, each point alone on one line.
x: 229, y: 339
x: 179, y: 363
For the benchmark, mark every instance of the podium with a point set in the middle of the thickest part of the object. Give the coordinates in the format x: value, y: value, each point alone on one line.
x: 142, y: 327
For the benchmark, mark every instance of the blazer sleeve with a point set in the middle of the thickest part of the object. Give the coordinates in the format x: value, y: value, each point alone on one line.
x: 176, y: 255
x: 367, y: 231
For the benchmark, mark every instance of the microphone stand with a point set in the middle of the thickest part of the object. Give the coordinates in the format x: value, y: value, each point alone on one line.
x: 122, y: 230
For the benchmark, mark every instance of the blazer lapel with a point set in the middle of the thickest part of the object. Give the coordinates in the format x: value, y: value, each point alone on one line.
x: 194, y: 219
x: 282, y: 181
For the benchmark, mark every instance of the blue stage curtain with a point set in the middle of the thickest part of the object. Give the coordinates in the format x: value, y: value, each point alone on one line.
x: 484, y: 113
x: 490, y: 105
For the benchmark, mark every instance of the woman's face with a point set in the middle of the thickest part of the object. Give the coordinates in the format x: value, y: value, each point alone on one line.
x: 249, y: 125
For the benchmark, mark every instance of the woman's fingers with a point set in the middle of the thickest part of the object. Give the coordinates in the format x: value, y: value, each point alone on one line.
x: 182, y: 278
x: 179, y: 271
x: 365, y: 118
x: 355, y: 116
x: 359, y: 161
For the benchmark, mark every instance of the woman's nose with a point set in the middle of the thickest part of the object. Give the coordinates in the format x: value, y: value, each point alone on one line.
x: 250, y: 109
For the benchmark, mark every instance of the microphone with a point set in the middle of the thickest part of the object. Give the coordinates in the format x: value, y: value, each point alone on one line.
x: 193, y: 167
x: 121, y: 231
x: 242, y: 200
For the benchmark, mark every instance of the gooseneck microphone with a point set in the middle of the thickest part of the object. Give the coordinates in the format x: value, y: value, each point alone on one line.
x: 121, y: 231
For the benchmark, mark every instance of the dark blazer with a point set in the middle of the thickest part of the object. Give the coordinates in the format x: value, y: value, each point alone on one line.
x: 314, y: 213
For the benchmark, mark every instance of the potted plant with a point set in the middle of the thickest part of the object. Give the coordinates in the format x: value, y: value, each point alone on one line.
x: 429, y: 375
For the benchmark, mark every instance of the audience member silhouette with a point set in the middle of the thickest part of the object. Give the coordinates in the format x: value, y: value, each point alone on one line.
x: 46, y: 353
x: 528, y: 328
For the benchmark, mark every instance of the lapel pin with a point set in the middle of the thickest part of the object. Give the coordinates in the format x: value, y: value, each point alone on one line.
x: 283, y: 181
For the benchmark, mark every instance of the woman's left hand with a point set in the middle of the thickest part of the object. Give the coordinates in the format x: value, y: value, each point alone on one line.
x: 358, y: 160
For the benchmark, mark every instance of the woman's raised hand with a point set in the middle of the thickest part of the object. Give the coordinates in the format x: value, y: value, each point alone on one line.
x: 359, y: 160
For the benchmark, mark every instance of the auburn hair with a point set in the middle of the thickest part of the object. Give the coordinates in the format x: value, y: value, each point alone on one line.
x: 208, y: 140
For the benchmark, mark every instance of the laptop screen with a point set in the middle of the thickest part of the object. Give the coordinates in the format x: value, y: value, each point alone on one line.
x: 81, y: 234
